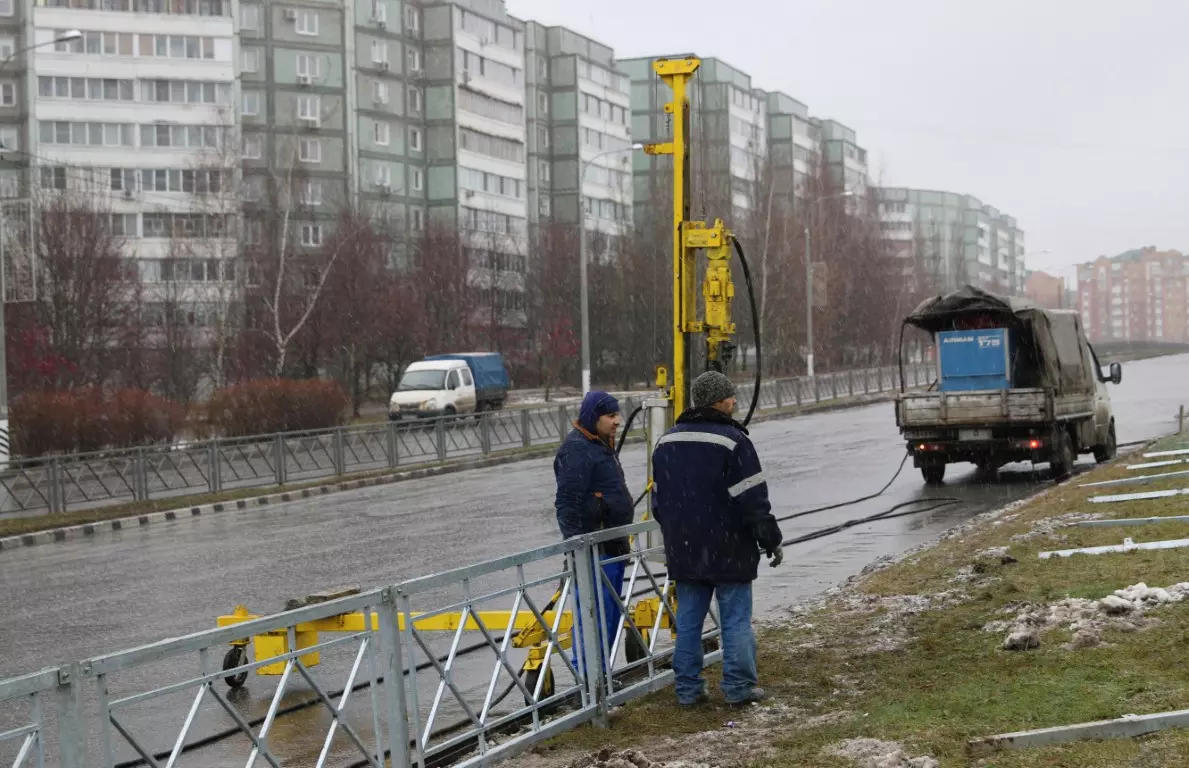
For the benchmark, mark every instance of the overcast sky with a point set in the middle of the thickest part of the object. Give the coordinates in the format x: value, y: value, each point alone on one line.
x: 1071, y: 115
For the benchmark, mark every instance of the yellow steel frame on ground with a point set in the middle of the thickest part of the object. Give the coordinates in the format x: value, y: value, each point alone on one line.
x: 530, y: 633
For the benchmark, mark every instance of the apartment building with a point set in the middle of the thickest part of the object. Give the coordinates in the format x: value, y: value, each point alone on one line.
x: 846, y: 161
x: 579, y: 129
x: 1140, y: 295
x: 1048, y: 291
x: 728, y: 146
x: 795, y: 147
x: 128, y: 101
x: 946, y: 240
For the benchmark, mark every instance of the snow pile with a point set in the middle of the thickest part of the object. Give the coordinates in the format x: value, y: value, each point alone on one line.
x: 1123, y: 610
x: 1051, y: 525
x: 873, y: 753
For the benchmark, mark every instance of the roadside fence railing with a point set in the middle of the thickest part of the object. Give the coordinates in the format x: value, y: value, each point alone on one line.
x: 58, y: 483
x: 465, y: 667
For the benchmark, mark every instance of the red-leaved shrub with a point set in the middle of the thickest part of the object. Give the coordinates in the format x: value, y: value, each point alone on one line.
x: 264, y: 406
x: 89, y: 419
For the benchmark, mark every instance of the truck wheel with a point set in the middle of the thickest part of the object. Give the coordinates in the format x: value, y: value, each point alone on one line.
x: 1061, y: 462
x: 1104, y: 453
x: 933, y: 474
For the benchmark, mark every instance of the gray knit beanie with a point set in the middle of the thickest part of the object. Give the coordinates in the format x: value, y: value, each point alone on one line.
x: 710, y: 388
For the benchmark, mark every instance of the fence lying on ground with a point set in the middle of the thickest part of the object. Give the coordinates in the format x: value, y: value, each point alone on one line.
x: 469, y: 704
x: 78, y: 481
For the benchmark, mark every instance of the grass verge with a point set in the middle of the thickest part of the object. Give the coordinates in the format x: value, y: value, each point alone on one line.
x: 905, y: 655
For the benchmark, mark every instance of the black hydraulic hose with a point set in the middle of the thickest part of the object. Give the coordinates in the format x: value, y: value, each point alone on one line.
x: 851, y: 503
x: 755, y: 329
x: 888, y: 514
x: 628, y: 428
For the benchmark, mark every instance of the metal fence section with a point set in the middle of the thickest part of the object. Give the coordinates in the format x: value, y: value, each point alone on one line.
x: 466, y: 667
x: 56, y: 484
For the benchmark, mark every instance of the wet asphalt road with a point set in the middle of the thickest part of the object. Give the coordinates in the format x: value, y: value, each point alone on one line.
x: 75, y: 599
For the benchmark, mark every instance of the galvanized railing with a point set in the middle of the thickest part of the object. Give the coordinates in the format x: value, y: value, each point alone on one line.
x: 79, y: 481
x: 425, y: 672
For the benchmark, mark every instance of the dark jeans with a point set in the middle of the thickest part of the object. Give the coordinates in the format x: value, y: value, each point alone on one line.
x: 611, y: 611
x: 738, y: 641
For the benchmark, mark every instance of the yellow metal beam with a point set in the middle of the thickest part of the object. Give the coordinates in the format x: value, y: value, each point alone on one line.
x: 495, y: 621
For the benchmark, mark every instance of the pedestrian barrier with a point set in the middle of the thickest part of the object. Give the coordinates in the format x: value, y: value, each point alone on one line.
x: 56, y: 484
x: 486, y: 657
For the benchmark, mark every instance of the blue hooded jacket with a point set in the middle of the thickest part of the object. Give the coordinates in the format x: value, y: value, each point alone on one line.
x: 592, y: 493
x: 711, y: 500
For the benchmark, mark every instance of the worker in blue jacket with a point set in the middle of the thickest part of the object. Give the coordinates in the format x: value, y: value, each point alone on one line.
x: 592, y: 495
x: 711, y: 501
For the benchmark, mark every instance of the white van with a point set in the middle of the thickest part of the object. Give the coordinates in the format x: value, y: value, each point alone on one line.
x: 433, y: 388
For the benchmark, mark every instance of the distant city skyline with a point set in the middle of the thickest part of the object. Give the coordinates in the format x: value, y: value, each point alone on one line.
x: 1015, y: 103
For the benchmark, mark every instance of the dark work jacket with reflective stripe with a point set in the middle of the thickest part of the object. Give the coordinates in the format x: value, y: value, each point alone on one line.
x: 711, y: 500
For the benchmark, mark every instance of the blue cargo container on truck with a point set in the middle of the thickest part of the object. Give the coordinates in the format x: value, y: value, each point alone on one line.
x: 491, y: 377
x: 1015, y: 382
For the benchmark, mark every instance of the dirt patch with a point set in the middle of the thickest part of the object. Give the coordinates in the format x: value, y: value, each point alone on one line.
x: 873, y: 753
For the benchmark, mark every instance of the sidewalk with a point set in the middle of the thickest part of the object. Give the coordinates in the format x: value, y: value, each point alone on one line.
x: 916, y: 662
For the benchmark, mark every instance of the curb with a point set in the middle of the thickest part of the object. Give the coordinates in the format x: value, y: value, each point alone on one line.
x: 87, y: 530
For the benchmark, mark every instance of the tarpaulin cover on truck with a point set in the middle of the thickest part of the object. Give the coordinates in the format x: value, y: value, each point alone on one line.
x: 487, y: 367
x: 1054, y: 338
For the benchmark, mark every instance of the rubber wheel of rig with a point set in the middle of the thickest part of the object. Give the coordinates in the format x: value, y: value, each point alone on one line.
x: 934, y: 475
x: 236, y: 657
x: 633, y: 649
x: 1104, y: 453
x: 1061, y: 462
x: 530, y: 682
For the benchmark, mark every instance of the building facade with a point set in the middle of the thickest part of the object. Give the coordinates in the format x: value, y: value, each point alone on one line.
x: 946, y: 240
x: 1140, y: 295
x: 1048, y: 291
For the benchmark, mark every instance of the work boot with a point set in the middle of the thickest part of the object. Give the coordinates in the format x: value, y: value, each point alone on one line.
x: 700, y: 700
x: 754, y: 696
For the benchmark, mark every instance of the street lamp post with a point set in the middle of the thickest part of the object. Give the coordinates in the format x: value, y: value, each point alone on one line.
x: 809, y: 283
x: 582, y: 268
x: 67, y: 36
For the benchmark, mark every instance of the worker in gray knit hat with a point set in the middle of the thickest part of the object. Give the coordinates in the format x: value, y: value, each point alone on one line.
x: 712, y: 503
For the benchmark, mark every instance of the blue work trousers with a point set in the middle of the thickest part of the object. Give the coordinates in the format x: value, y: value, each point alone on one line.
x: 738, y: 641
x: 611, y: 611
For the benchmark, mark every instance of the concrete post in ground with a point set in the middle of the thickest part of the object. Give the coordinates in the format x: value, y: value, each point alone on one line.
x: 526, y: 435
x: 214, y: 474
x: 393, y: 440
x: 278, y: 450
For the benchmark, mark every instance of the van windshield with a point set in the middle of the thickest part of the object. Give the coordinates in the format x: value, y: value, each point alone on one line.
x: 422, y: 380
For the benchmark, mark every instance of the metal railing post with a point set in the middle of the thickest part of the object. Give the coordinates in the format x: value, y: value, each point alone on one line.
x: 850, y: 382
x: 563, y: 427
x: 485, y: 433
x: 395, y: 703
x: 393, y: 440
x: 57, y: 493
x: 585, y: 560
x: 338, y: 453
x: 214, y: 475
x: 834, y: 385
x: 140, y: 476
x: 526, y: 435
x: 278, y: 449
x: 440, y: 437
x: 797, y: 384
x: 779, y: 396
x: 72, y: 730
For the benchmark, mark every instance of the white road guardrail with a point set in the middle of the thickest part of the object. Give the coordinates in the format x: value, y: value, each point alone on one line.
x: 318, y: 682
x: 55, y: 484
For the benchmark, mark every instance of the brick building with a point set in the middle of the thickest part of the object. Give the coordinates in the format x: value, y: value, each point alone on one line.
x: 1047, y: 290
x: 1140, y: 295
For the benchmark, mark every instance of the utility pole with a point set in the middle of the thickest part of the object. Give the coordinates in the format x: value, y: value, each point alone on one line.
x: 809, y: 281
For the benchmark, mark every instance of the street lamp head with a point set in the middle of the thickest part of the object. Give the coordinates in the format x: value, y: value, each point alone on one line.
x: 68, y: 35
x: 637, y: 145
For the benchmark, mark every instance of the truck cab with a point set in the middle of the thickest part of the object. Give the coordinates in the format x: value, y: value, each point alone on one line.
x: 433, y: 388
x: 1015, y: 382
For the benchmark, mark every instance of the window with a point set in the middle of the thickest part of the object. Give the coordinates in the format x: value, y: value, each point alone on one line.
x: 171, y: 135
x: 311, y: 235
x: 307, y: 22
x: 123, y: 179
x: 381, y: 132
x: 53, y: 178
x: 379, y: 12
x: 251, y: 106
x: 89, y: 88
x: 543, y: 171
x: 8, y: 46
x: 253, y: 146
x: 309, y: 109
x: 87, y: 134
x: 415, y: 139
x: 6, y: 7
x: 418, y: 219
x: 160, y: 46
x: 249, y: 60
x: 307, y: 66
x: 415, y: 99
x: 492, y: 146
x: 543, y: 103
x: 542, y: 137
x: 379, y: 52
x: 379, y: 92
x: 183, y: 91
x: 412, y: 19
x: 249, y: 17
x: 418, y: 180
x: 485, y: 106
x: 9, y: 137
x: 311, y: 193
x: 309, y: 150
x: 382, y: 175
x: 414, y: 60
x: 542, y: 67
